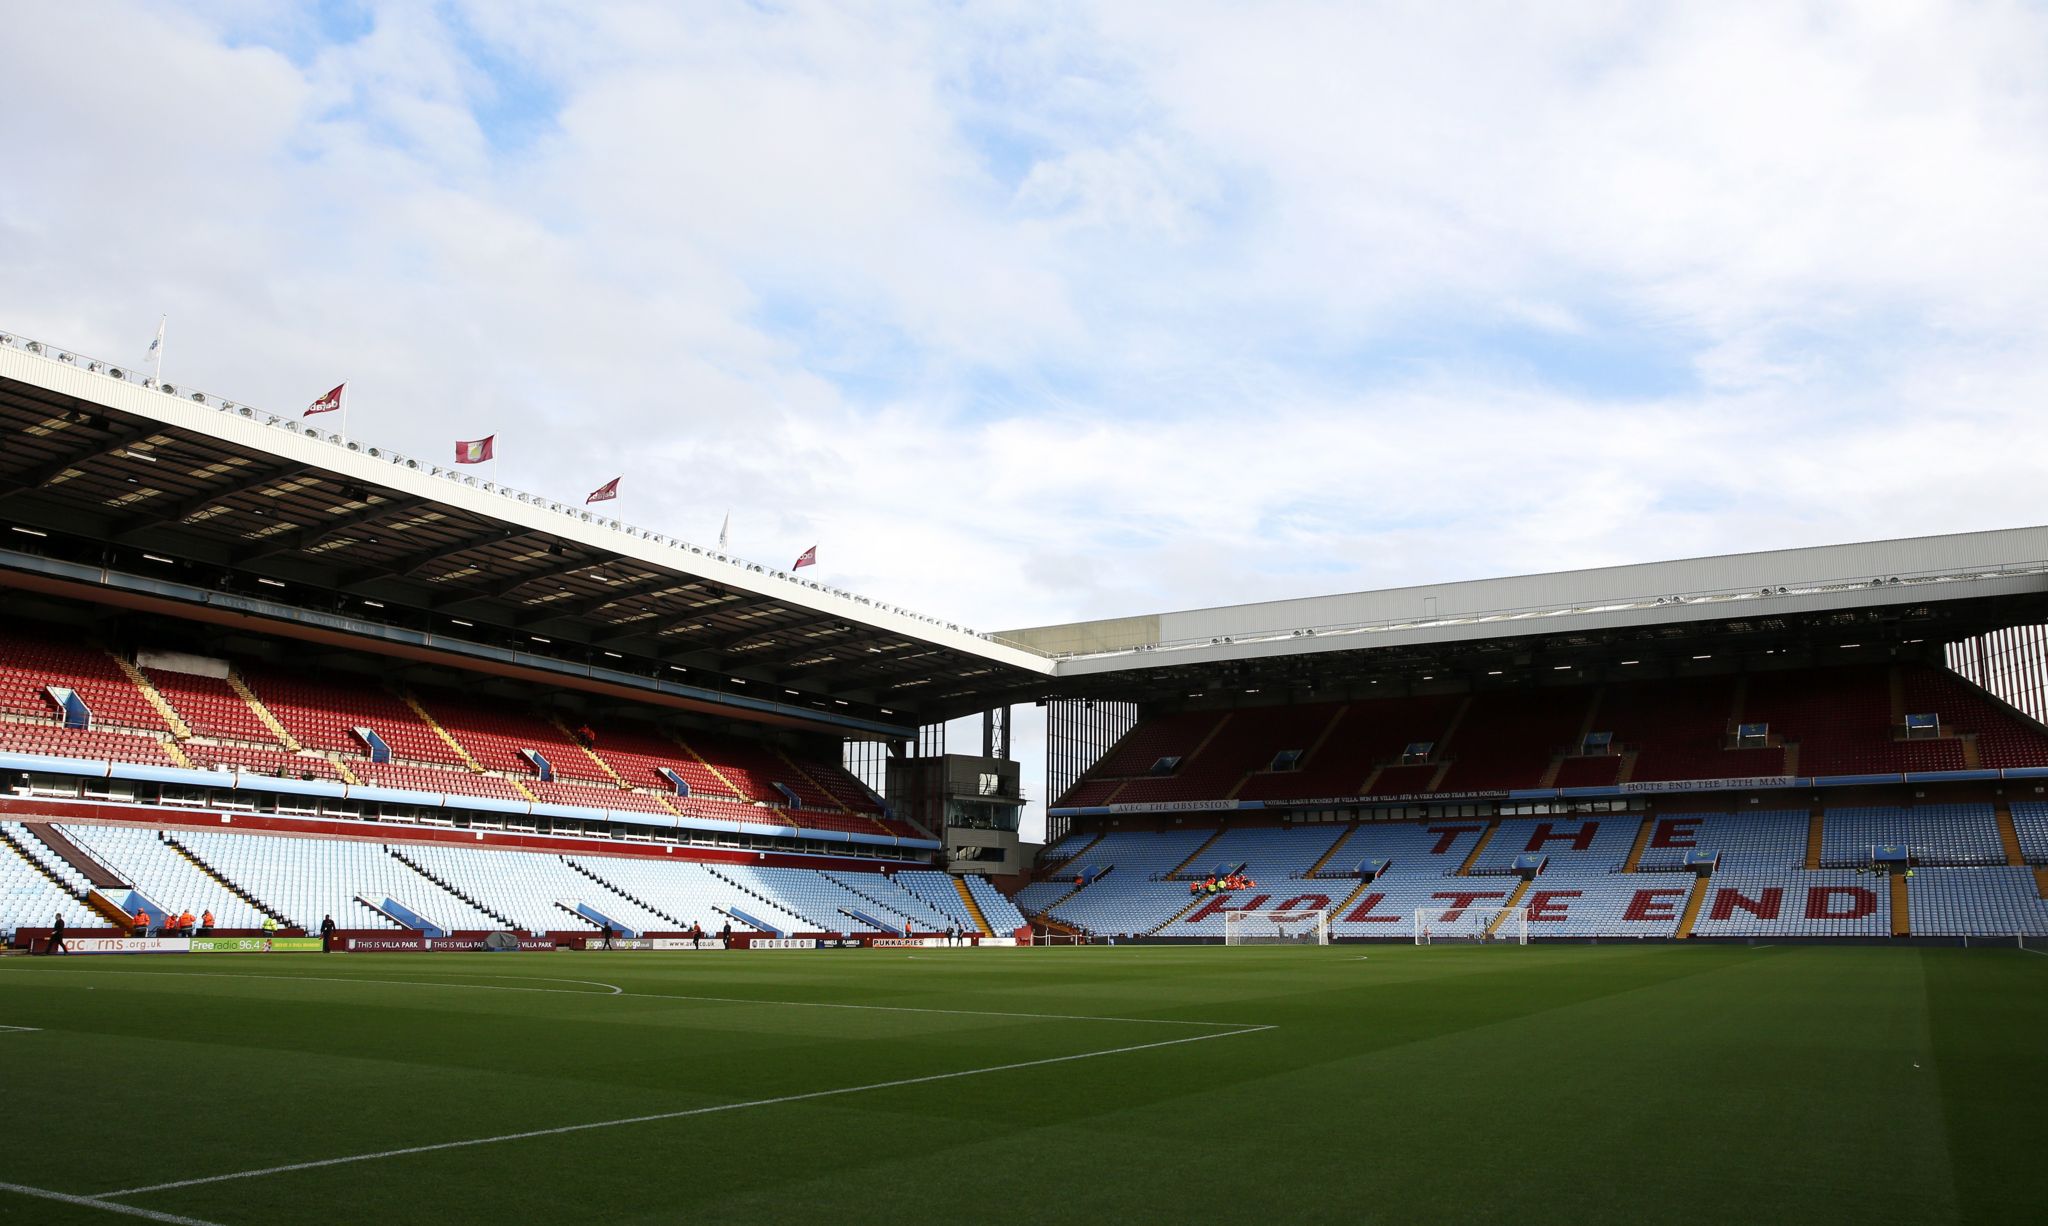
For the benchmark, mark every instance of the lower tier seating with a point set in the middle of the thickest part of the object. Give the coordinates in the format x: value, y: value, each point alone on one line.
x: 299, y: 880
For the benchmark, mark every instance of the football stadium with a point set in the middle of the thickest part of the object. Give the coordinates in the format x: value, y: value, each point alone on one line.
x: 344, y: 771
x: 1405, y: 614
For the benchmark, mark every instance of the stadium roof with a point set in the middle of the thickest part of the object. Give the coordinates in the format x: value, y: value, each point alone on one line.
x: 167, y: 497
x: 1785, y: 607
x: 183, y: 487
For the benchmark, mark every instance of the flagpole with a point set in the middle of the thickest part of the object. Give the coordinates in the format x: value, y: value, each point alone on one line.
x: 344, y: 409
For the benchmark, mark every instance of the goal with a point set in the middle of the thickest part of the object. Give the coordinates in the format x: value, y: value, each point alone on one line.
x: 1437, y: 925
x: 1276, y: 927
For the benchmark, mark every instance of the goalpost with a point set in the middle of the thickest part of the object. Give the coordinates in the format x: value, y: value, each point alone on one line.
x: 1276, y: 927
x: 1437, y: 925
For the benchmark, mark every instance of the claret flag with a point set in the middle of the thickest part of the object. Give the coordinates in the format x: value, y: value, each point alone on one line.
x: 604, y: 493
x: 475, y: 452
x: 326, y: 404
x: 808, y: 558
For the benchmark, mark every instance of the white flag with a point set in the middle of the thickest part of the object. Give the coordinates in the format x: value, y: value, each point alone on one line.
x: 724, y: 530
x: 156, y: 347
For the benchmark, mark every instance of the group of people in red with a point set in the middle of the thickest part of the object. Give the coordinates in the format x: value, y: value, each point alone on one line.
x: 1224, y: 884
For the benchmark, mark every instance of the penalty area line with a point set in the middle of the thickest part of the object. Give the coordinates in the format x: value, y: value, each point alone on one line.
x: 658, y: 1117
x: 97, y: 1202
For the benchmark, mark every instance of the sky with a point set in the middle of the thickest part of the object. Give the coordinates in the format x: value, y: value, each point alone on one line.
x: 1033, y: 312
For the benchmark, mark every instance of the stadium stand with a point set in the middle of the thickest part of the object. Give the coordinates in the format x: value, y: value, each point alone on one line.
x: 1507, y: 739
x: 539, y: 893
x: 93, y: 744
x: 30, y: 664
x: 29, y: 896
x: 1570, y: 844
x: 322, y: 712
x: 1764, y: 841
x: 1835, y: 721
x: 440, y: 743
x: 1795, y: 903
x: 1943, y: 834
x: 2030, y: 818
x: 146, y: 861
x: 210, y: 707
x: 1982, y: 902
x: 308, y: 879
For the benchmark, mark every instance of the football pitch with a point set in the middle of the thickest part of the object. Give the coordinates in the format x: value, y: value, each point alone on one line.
x: 1139, y: 1084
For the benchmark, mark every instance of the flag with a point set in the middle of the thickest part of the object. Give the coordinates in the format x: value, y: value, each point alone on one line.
x: 808, y: 558
x: 326, y: 404
x: 156, y: 347
x: 604, y: 493
x: 474, y: 452
x: 724, y: 530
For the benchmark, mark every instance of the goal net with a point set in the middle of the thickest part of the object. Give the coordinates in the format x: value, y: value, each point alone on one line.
x: 1276, y: 927
x: 1436, y: 925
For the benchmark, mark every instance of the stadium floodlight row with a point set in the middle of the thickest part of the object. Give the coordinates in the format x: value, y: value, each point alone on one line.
x: 230, y: 636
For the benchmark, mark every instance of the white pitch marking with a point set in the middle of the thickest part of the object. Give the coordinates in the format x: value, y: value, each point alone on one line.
x: 21, y: 1029
x: 717, y: 1000
x: 616, y: 989
x: 95, y: 1202
x: 677, y: 1115
x: 2023, y: 949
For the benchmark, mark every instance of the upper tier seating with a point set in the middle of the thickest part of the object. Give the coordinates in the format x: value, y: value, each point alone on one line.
x: 1508, y: 738
x: 55, y: 741
x: 1680, y: 729
x: 29, y: 663
x: 1835, y: 721
x: 458, y: 781
x: 274, y: 760
x: 2002, y: 738
x: 756, y: 769
x: 1367, y: 735
x: 1842, y: 720
x: 493, y: 734
x: 592, y: 796
x: 1246, y: 741
x: 320, y: 711
x: 210, y: 707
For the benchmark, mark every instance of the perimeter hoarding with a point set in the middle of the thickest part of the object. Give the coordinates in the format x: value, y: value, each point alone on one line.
x: 127, y: 945
x: 255, y: 945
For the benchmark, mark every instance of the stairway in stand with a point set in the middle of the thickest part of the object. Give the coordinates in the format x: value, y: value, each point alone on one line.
x: 973, y: 907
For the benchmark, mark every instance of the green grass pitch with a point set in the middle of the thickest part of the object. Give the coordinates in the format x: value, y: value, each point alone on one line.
x: 1147, y: 1084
